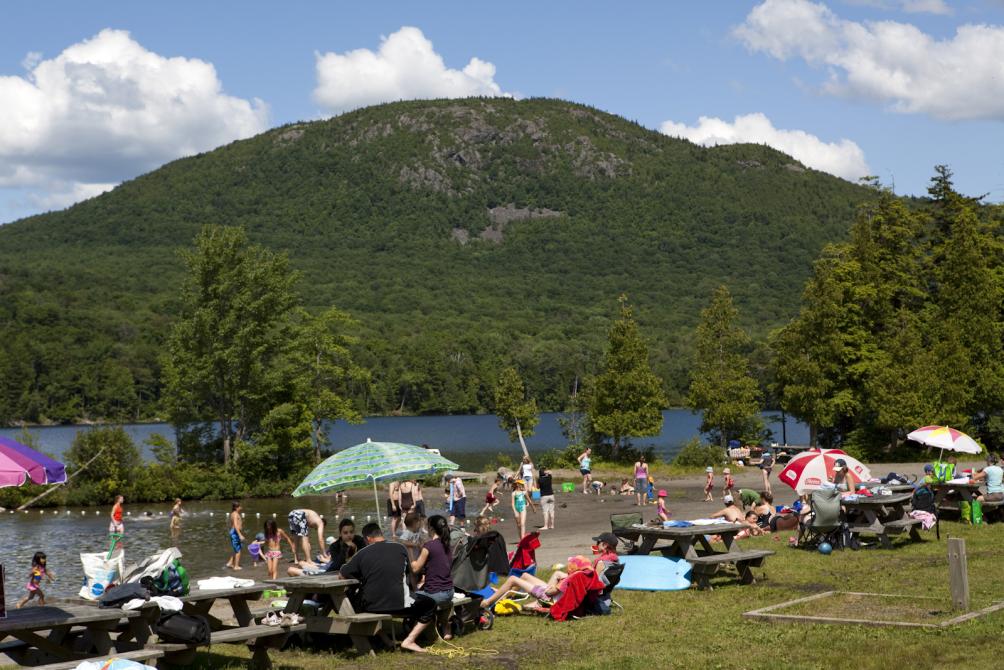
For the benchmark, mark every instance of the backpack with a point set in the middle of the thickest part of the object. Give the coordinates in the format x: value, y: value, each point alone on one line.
x: 117, y: 596
x: 923, y: 500
x: 181, y: 627
x: 173, y: 580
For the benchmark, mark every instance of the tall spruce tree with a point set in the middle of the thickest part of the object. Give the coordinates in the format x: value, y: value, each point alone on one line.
x: 721, y: 385
x: 626, y: 399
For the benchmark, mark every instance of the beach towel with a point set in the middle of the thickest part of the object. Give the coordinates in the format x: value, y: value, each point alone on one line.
x: 582, y: 591
x: 525, y: 555
x: 927, y: 520
x: 214, y: 583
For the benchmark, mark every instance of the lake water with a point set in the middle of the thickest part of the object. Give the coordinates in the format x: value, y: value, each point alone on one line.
x: 472, y: 441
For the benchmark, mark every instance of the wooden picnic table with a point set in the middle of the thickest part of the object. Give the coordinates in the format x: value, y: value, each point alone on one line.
x: 895, y: 488
x: 336, y: 615
x: 201, y: 602
x: 947, y: 497
x: 881, y: 516
x: 691, y: 544
x: 61, y: 632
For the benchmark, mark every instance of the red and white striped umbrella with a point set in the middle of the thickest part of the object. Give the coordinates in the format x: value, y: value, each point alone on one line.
x: 811, y: 469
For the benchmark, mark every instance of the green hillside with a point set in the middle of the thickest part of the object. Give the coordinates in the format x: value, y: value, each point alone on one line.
x: 462, y: 235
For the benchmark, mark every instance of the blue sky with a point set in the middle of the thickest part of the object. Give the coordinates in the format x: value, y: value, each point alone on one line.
x: 95, y: 93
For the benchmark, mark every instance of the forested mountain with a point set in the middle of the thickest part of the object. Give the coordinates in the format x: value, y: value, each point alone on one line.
x: 462, y: 235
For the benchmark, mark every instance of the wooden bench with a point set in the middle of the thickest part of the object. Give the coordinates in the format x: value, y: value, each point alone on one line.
x: 260, y: 639
x: 708, y: 565
x: 883, y: 530
x: 139, y: 655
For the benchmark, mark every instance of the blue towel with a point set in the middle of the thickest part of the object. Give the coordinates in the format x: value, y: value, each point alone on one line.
x: 676, y: 524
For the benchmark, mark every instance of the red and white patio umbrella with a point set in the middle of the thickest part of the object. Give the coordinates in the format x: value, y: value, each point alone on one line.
x: 811, y: 469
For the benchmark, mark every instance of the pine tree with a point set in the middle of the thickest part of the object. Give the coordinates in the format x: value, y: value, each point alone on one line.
x: 720, y: 382
x: 626, y: 398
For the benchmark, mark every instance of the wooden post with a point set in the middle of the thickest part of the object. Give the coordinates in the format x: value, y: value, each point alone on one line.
x: 958, y: 573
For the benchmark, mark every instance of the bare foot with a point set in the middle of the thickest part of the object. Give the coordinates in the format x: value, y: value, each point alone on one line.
x: 412, y: 646
x: 238, y: 568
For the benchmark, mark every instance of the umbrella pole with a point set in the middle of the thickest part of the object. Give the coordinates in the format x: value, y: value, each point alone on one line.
x: 376, y: 502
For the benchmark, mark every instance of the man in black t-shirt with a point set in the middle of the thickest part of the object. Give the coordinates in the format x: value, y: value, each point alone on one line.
x: 546, y: 497
x: 382, y: 569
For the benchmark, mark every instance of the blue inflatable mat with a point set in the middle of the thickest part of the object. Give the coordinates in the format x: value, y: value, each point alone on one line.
x: 654, y: 573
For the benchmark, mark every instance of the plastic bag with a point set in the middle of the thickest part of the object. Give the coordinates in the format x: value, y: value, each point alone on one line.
x: 100, y: 572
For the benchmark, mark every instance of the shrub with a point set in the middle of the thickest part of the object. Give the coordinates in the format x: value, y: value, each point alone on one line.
x: 695, y: 454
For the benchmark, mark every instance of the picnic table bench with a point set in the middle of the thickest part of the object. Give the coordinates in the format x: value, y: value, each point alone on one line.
x: 691, y: 543
x: 337, y: 616
x: 56, y: 633
x: 138, y: 655
x: 881, y: 516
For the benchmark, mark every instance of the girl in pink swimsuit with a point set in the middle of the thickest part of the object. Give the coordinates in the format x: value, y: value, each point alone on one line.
x: 273, y: 548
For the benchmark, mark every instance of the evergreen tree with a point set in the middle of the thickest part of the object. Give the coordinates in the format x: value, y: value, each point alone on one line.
x: 626, y: 398
x: 517, y: 414
x: 234, y: 328
x: 720, y: 381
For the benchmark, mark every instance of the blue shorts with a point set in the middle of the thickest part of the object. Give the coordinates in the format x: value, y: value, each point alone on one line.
x: 235, y: 540
x: 459, y: 508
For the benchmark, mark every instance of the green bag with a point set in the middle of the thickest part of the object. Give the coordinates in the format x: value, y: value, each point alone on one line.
x: 977, y: 513
x: 965, y: 512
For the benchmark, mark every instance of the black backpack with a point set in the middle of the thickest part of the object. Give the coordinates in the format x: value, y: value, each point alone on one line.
x: 181, y: 627
x: 923, y: 500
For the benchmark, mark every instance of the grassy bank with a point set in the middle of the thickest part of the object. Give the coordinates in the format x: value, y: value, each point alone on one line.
x: 706, y: 629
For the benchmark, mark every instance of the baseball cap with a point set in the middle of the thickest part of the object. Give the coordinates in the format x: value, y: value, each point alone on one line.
x: 928, y: 468
x: 607, y: 537
x: 729, y: 499
x: 840, y: 464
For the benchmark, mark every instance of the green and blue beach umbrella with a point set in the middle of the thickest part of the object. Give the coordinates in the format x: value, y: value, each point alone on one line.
x: 372, y: 463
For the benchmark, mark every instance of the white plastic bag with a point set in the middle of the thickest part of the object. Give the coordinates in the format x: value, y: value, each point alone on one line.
x: 100, y: 572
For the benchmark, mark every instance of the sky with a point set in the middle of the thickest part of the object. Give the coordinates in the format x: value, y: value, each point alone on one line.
x: 92, y: 94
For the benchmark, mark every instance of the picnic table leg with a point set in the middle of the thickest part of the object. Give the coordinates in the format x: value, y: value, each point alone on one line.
x: 201, y: 608
x: 294, y: 602
x: 362, y: 645
x: 647, y: 544
x: 242, y: 612
x: 53, y: 645
x: 260, y: 660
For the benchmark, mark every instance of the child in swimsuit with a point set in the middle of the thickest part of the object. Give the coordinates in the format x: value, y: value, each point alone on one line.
x: 272, y: 547
x: 729, y: 482
x: 255, y: 549
x: 709, y: 484
x: 661, y: 506
x: 38, y: 572
x: 491, y: 500
x: 519, y: 503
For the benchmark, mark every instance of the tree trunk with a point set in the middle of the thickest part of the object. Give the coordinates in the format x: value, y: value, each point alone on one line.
x: 225, y: 429
x: 812, y: 434
x: 316, y: 425
x: 522, y: 443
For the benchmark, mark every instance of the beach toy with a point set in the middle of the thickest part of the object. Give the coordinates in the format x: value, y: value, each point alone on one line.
x: 535, y: 495
x: 654, y: 573
x: 825, y: 548
x: 567, y: 487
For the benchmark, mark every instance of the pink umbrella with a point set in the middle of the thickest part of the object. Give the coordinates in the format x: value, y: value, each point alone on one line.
x: 20, y: 464
x: 812, y: 469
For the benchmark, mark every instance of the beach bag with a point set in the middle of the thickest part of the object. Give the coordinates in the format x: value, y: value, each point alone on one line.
x: 100, y: 572
x: 173, y: 580
x: 965, y: 512
x: 977, y: 513
x: 181, y: 627
x: 117, y: 596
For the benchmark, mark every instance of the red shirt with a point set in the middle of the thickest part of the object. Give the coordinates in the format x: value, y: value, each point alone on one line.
x: 117, y: 513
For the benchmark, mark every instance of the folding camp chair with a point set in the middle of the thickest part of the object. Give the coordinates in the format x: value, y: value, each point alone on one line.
x: 621, y: 526
x: 823, y: 523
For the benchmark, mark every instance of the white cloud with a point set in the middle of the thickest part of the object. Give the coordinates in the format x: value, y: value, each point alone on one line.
x: 107, y: 109
x: 926, y: 7
x: 843, y: 158
x: 896, y: 63
x: 405, y: 67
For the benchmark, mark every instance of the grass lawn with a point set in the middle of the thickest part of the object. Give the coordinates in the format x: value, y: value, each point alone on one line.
x: 706, y: 629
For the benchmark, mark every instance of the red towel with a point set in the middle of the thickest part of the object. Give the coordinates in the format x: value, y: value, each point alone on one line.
x: 582, y: 589
x: 525, y: 554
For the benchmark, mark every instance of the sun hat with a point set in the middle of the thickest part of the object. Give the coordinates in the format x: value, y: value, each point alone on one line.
x: 662, y: 493
x: 726, y: 471
x: 260, y: 537
x: 576, y: 563
x: 709, y: 469
x: 729, y: 499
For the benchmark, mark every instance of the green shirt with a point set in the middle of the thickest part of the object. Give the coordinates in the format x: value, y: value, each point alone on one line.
x: 749, y: 497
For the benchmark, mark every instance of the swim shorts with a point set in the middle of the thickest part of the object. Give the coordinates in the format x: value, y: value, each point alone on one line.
x: 298, y: 523
x: 235, y: 540
x: 116, y: 527
x: 459, y: 508
x: 273, y: 554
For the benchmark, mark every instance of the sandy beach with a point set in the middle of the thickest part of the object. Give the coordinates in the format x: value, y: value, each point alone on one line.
x: 579, y: 517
